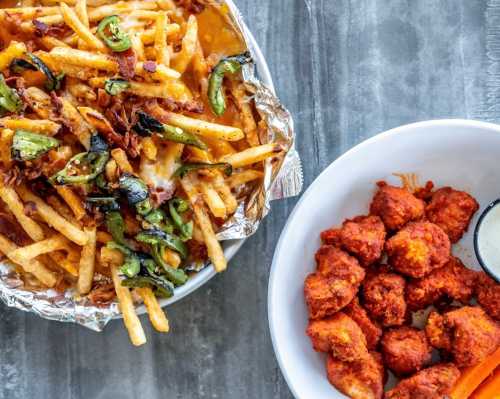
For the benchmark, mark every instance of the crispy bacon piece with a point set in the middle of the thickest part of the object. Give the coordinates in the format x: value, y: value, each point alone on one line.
x: 149, y: 66
x: 12, y: 230
x: 102, y: 294
x: 193, y: 6
x: 192, y: 106
x: 126, y: 63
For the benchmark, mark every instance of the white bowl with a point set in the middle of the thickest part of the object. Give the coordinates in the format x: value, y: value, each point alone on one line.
x: 459, y: 153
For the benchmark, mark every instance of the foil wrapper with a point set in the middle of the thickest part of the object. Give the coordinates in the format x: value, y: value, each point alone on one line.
x: 283, y: 178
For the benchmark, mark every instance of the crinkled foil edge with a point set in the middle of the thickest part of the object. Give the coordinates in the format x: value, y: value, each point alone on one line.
x: 283, y: 178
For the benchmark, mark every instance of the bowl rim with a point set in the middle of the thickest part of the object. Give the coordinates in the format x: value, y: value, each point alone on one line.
x: 232, y: 246
x: 273, y: 276
x: 479, y: 223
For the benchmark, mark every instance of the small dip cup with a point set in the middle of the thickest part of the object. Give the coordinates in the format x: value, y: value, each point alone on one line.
x: 485, y: 249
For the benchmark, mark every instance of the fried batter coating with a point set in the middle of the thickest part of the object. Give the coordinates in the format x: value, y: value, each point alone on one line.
x: 468, y: 333
x: 453, y: 281
x: 451, y: 210
x: 434, y: 382
x: 396, y: 206
x: 371, y: 329
x: 340, y: 335
x: 333, y: 262
x: 332, y: 237
x: 383, y: 296
x: 405, y: 350
x: 418, y: 248
x: 358, y: 380
x: 334, y: 284
x: 488, y: 295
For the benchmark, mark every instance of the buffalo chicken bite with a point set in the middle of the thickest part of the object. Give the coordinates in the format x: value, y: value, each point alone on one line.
x: 418, y: 249
x: 370, y: 328
x: 451, y: 210
x: 340, y: 335
x: 334, y: 284
x: 396, y: 206
x: 363, y: 237
x: 453, y: 281
x: 467, y: 333
x: 383, y: 297
x: 360, y: 379
x: 405, y: 350
x: 435, y: 382
x: 488, y: 295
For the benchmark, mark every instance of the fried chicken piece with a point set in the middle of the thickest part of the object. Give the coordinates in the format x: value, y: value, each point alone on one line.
x: 334, y: 262
x: 358, y: 380
x: 435, y: 382
x: 340, y: 335
x: 418, y: 249
x: 363, y: 237
x: 453, y: 281
x: 488, y: 295
x: 334, y: 284
x: 396, y: 206
x: 468, y: 333
x: 383, y: 296
x: 405, y: 350
x: 371, y: 329
x: 451, y: 210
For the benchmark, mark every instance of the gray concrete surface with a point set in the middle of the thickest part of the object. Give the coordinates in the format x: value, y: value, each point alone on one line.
x: 347, y: 69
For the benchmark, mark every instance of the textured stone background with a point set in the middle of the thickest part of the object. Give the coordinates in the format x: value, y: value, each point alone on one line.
x: 347, y: 69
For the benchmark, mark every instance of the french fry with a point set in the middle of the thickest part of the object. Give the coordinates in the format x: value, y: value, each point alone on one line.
x: 67, y: 260
x: 13, y: 50
x: 155, y: 312
x: 225, y: 193
x: 237, y: 179
x: 160, y: 43
x: 51, y: 244
x: 249, y: 126
x: 172, y: 258
x: 13, y: 202
x: 87, y: 263
x: 214, y: 248
x: 90, y: 3
x: 130, y: 319
x: 252, y: 155
x: 73, y: 201
x: 111, y: 256
x: 54, y: 219
x: 80, y: 90
x: 138, y: 46
x: 204, y: 128
x: 42, y: 126
x: 28, y: 12
x: 111, y: 170
x: 81, y: 12
x: 149, y: 148
x: 5, y: 144
x: 59, y: 66
x: 49, y: 42
x: 85, y: 59
x: 122, y: 161
x: 104, y: 237
x: 79, y: 127
x: 189, y: 43
x: 148, y: 36
x: 33, y: 266
x: 83, y: 32
x: 97, y: 120
x: 213, y: 200
x: 39, y: 101
x: 166, y: 4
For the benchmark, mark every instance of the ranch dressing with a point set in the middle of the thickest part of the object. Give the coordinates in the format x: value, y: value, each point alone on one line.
x: 488, y: 240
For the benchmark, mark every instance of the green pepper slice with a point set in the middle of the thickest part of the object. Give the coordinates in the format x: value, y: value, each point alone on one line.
x: 189, y: 167
x: 115, y: 86
x: 230, y: 64
x: 110, y: 32
x: 27, y: 146
x: 9, y: 99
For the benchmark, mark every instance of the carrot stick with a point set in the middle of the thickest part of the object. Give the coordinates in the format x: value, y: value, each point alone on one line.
x: 490, y: 389
x: 473, y: 376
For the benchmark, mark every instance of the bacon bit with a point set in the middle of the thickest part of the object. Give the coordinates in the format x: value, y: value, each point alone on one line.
x: 62, y: 284
x: 103, y: 294
x: 12, y: 230
x: 197, y: 251
x: 103, y: 98
x: 149, y: 66
x: 193, y: 106
x: 159, y: 195
x: 193, y: 6
x: 55, y: 30
x: 118, y: 117
x: 56, y: 102
x: 126, y: 63
x: 29, y: 208
x: 12, y: 176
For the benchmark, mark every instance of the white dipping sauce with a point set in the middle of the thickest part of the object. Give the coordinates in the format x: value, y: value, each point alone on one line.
x: 488, y: 240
